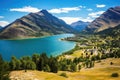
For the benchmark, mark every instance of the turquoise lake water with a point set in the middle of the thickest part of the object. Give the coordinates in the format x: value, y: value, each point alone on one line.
x: 51, y: 45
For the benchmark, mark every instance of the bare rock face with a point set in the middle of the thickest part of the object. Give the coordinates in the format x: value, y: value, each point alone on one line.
x: 34, y: 25
x: 108, y: 19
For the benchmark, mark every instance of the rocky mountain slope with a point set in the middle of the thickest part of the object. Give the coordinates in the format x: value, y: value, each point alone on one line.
x: 35, y: 25
x: 79, y: 25
x: 108, y: 19
x: 114, y: 32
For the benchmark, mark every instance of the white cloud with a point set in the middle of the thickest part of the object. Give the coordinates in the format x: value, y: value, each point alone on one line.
x: 54, y: 10
x: 65, y: 10
x: 82, y: 6
x: 1, y: 16
x: 26, y: 9
x: 100, y: 5
x: 88, y: 19
x: 3, y: 23
x: 95, y: 14
x: 70, y: 20
x: 89, y: 9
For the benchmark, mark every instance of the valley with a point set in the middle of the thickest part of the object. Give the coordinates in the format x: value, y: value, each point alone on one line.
x: 93, y: 57
x: 39, y: 45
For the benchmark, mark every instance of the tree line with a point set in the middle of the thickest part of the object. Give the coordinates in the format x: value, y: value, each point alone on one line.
x: 51, y: 64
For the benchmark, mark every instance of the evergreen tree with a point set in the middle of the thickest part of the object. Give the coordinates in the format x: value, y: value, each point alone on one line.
x: 87, y: 63
x: 23, y: 64
x: 64, y: 64
x: 53, y: 64
x: 12, y: 64
x: 47, y: 68
x: 43, y: 60
x: 35, y: 58
x: 40, y: 65
x: 73, y: 67
x: 18, y: 65
x: 4, y: 68
x: 79, y: 67
x: 27, y: 63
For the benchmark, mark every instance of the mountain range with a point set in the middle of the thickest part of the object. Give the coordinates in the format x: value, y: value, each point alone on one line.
x: 109, y: 19
x: 43, y: 23
x: 37, y: 24
x: 79, y: 25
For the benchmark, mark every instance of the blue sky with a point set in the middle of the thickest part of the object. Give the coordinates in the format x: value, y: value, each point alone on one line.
x: 68, y: 10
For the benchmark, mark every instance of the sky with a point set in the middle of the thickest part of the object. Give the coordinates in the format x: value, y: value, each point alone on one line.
x: 68, y: 10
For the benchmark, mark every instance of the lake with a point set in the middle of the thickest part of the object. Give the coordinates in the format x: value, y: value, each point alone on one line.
x: 51, y: 45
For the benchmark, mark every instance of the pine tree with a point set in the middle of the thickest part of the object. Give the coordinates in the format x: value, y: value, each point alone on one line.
x: 47, y: 68
x: 4, y: 68
x: 73, y: 67
x: 79, y: 67
x: 53, y: 64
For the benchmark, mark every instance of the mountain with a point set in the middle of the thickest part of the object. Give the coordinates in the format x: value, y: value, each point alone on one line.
x: 79, y: 25
x: 0, y: 27
x: 35, y: 25
x: 108, y: 19
x: 114, y: 32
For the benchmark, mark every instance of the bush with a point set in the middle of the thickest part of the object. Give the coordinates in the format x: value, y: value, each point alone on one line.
x: 111, y: 63
x: 64, y: 75
x: 114, y: 75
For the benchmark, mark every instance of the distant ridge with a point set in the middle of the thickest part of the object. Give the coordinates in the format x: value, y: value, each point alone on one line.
x: 37, y: 24
x: 79, y: 25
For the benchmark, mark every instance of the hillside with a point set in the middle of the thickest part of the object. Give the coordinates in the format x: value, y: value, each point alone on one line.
x: 35, y: 25
x: 79, y: 25
x: 114, y: 32
x: 101, y: 71
x: 34, y: 75
x: 108, y: 19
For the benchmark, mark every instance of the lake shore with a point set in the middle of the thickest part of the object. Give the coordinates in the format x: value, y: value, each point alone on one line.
x: 25, y: 38
x: 23, y: 47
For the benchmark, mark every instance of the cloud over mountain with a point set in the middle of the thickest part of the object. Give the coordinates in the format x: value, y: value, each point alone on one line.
x: 70, y: 20
x: 95, y: 14
x: 3, y: 23
x: 65, y: 10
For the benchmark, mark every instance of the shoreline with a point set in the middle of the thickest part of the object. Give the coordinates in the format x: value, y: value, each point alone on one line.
x: 34, y: 37
x: 26, y: 38
x: 30, y: 37
x: 59, y: 36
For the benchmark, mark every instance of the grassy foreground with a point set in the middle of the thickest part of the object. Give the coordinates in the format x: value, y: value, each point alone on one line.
x: 101, y: 71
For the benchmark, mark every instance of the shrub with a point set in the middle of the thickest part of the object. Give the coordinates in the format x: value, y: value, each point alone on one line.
x: 64, y: 75
x: 114, y: 75
x: 111, y: 63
